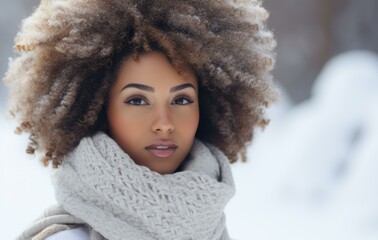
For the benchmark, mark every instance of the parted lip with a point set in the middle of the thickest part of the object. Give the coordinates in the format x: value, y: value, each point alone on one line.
x: 156, y: 144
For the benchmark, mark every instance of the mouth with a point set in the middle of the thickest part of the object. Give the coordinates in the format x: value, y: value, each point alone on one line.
x: 162, y: 150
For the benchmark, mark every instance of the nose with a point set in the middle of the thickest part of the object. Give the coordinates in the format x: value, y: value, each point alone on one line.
x: 163, y: 122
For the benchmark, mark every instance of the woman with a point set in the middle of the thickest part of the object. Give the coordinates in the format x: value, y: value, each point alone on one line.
x: 140, y: 106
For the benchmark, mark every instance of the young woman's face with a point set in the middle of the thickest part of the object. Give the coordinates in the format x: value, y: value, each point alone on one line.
x: 153, y: 112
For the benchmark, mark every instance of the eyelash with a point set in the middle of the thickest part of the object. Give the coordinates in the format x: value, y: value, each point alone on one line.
x: 133, y: 98
x: 188, y: 99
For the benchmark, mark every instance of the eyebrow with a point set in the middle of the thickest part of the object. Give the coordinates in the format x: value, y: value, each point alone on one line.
x: 180, y: 87
x: 151, y: 89
x: 139, y: 86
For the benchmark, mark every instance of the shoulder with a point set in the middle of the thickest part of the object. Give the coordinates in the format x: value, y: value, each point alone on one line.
x: 79, y: 233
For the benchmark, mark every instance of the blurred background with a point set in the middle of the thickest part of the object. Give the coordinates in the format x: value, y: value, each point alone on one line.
x: 312, y: 174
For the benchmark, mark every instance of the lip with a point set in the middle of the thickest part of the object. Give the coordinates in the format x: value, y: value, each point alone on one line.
x: 169, y: 148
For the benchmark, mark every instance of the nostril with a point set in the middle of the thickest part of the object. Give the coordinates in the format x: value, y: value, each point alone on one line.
x: 163, y: 121
x: 167, y: 129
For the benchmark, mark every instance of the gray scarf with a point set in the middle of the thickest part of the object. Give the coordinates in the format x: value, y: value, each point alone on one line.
x: 99, y: 184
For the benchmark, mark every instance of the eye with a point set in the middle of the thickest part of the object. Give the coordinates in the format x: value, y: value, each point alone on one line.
x: 136, y: 101
x: 182, y: 101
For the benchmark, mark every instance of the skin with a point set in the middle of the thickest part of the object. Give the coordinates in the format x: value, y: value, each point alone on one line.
x: 139, y: 116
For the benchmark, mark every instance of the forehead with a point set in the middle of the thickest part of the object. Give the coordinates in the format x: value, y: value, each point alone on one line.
x: 153, y: 69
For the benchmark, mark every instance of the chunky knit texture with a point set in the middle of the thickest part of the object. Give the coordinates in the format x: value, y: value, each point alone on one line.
x: 101, y: 185
x: 53, y: 220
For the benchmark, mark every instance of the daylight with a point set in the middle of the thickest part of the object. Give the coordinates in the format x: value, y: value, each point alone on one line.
x: 311, y: 173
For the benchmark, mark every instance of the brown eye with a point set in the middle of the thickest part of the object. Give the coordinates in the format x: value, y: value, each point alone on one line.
x: 182, y: 101
x: 136, y: 101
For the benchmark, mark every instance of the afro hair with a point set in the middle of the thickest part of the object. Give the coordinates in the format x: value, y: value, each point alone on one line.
x: 69, y: 52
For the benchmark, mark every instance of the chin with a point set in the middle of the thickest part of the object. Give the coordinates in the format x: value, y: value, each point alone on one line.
x: 165, y: 170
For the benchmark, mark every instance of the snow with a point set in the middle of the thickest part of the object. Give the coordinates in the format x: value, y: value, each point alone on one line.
x: 312, y: 174
x: 25, y: 188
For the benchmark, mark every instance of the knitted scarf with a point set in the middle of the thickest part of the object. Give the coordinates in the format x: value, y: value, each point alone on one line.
x: 101, y: 185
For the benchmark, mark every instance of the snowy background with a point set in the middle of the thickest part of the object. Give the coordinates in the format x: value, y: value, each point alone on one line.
x: 312, y: 174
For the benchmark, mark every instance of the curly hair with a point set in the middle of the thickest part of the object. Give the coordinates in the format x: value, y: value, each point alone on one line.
x: 69, y: 52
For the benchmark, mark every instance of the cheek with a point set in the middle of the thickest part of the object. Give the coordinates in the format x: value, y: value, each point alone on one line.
x: 124, y: 124
x: 129, y: 125
x: 188, y: 121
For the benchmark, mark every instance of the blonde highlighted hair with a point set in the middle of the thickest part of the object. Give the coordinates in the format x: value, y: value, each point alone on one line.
x: 70, y: 50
